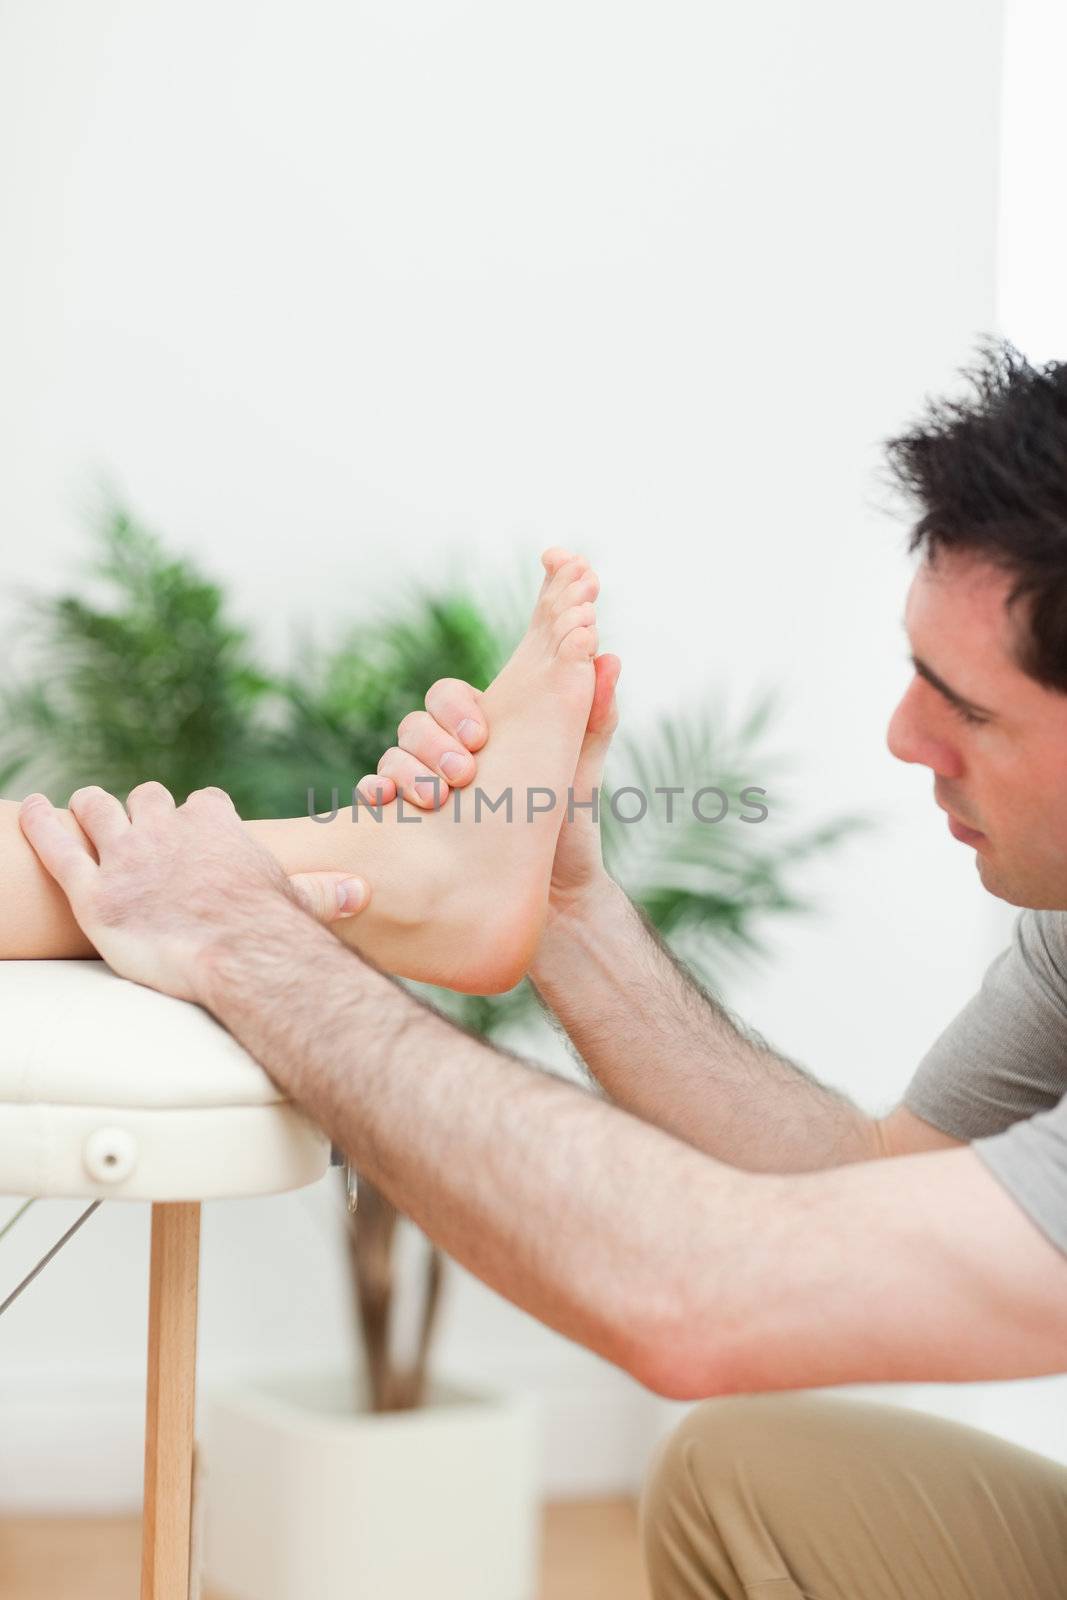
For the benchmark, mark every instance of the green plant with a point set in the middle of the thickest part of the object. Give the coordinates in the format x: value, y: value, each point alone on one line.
x: 158, y: 684
x: 149, y: 677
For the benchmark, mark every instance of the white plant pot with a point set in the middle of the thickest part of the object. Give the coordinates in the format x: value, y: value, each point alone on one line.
x: 308, y: 1500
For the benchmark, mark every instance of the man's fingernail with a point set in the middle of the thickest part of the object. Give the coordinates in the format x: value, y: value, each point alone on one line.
x: 453, y: 765
x: 468, y: 730
x: 351, y: 896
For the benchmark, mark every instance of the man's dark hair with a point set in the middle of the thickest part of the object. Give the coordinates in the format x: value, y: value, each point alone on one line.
x: 989, y: 473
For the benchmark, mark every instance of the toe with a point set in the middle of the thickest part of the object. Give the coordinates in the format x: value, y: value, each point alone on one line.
x: 553, y: 595
x: 554, y: 558
x: 580, y: 644
x: 565, y: 617
x: 580, y: 616
x: 586, y: 587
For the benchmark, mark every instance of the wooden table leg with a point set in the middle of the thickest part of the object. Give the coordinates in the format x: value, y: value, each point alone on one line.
x: 169, y: 1419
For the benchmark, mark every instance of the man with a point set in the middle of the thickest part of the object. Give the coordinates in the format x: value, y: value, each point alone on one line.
x: 720, y: 1223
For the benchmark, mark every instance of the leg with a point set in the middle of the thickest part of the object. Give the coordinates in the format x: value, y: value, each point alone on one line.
x: 168, y: 1477
x: 812, y: 1497
x: 456, y: 900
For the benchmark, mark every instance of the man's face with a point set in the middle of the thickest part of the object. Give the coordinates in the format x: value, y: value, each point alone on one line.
x: 995, y: 741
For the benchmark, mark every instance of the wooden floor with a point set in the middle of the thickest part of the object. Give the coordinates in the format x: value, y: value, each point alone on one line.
x: 590, y: 1553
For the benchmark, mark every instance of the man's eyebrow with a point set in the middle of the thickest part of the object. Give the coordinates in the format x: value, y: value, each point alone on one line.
x: 950, y: 694
x: 940, y: 685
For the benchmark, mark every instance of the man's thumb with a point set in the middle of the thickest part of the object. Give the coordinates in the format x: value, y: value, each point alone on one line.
x: 603, y: 720
x: 604, y: 712
x: 330, y: 896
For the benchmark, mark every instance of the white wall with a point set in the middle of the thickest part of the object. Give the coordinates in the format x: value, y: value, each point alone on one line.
x: 1033, y: 231
x: 339, y: 294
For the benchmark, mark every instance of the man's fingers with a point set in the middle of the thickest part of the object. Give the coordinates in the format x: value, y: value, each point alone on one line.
x: 102, y: 818
x: 419, y: 786
x: 59, y: 851
x: 457, y: 708
x: 604, y: 714
x: 603, y: 720
x: 377, y: 789
x: 330, y: 896
x: 211, y: 798
x: 423, y: 737
x: 149, y: 799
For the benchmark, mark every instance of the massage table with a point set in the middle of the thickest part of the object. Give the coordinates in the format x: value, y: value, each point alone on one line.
x: 111, y: 1091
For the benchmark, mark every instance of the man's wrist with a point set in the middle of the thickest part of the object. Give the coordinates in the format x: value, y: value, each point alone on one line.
x: 576, y: 916
x: 243, y: 948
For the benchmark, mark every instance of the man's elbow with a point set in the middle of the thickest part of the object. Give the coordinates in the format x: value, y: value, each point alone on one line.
x: 672, y: 1377
x: 664, y: 1360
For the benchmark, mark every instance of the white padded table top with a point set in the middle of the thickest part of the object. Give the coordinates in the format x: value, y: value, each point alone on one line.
x: 112, y: 1090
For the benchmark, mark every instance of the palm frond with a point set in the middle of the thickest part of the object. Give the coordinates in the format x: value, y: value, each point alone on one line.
x: 710, y: 887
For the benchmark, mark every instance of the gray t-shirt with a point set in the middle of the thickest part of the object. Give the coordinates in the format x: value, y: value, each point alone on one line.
x: 997, y: 1076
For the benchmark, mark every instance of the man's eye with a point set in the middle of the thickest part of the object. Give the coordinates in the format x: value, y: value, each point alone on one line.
x: 967, y: 716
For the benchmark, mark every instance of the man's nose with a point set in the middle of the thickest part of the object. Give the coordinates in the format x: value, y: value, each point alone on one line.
x: 914, y: 735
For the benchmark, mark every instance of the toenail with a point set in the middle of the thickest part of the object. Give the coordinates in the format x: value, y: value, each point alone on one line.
x: 454, y: 765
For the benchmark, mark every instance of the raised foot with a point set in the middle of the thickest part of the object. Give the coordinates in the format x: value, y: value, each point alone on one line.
x: 469, y: 891
x: 537, y: 709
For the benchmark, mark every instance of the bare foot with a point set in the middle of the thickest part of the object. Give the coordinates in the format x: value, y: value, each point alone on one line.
x: 460, y: 894
x: 458, y: 898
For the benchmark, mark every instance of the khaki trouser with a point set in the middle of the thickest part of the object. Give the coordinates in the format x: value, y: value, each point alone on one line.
x: 802, y: 1496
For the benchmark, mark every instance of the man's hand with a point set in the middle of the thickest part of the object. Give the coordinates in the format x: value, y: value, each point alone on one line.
x: 153, y: 885
x: 438, y: 743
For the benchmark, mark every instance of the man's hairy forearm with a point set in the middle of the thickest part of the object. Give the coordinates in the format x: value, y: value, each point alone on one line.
x: 664, y: 1049
x: 557, y: 1200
